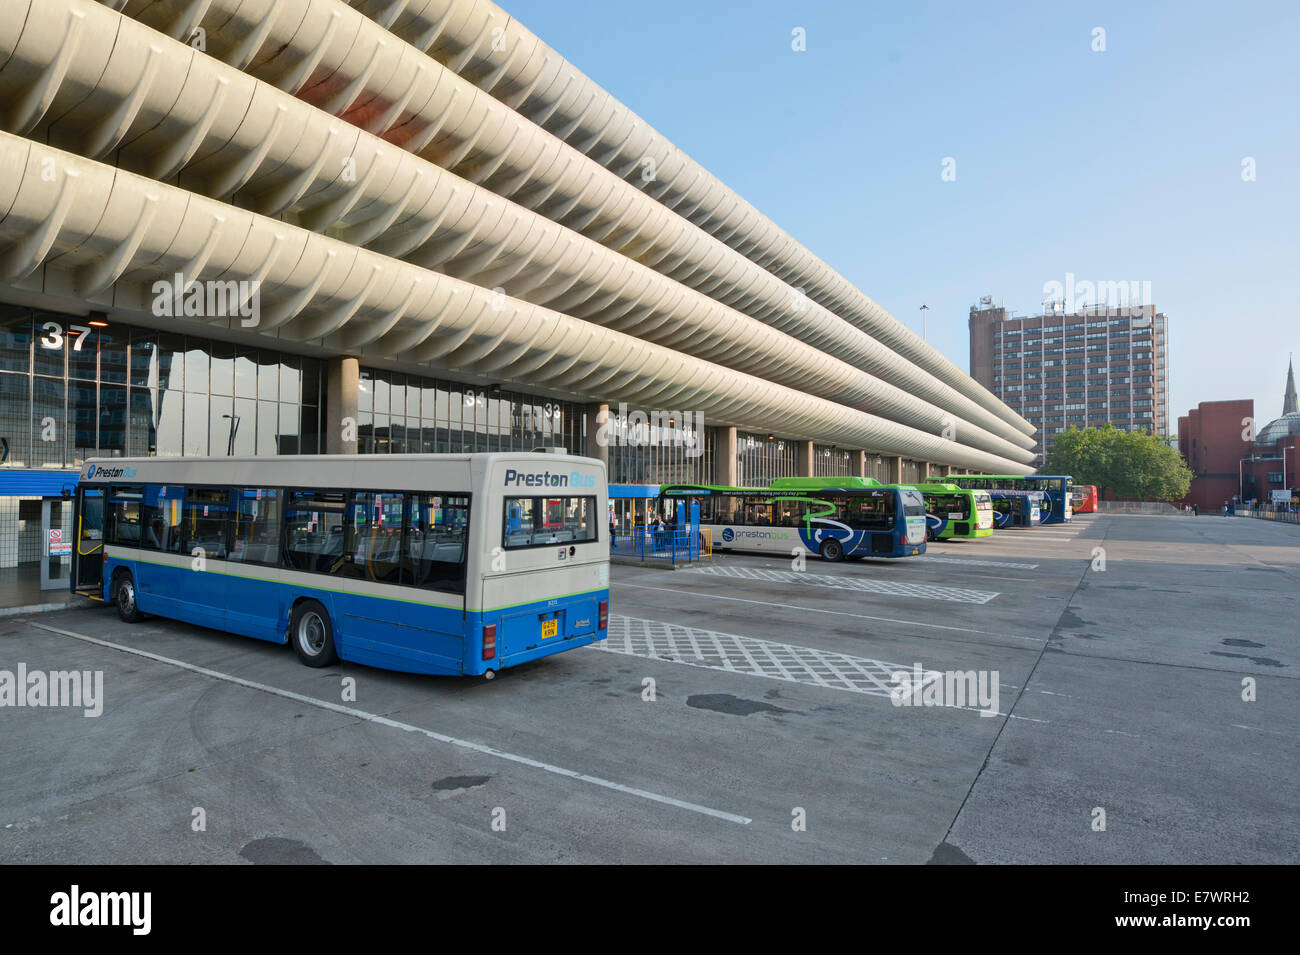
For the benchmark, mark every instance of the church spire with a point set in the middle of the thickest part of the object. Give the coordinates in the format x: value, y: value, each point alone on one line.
x: 1289, y: 403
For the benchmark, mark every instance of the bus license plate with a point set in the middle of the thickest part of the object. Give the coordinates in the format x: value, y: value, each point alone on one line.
x: 550, y: 628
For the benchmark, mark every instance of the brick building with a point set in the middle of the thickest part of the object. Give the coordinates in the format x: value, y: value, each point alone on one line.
x: 1233, y: 459
x: 1213, y: 438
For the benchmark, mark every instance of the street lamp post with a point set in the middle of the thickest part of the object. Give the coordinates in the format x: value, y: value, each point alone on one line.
x: 234, y: 430
x: 924, y: 309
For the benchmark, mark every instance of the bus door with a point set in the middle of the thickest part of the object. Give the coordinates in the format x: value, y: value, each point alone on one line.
x: 88, y: 554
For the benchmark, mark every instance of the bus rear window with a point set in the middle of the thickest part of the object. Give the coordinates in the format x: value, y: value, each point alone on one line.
x: 913, y: 503
x: 533, y: 521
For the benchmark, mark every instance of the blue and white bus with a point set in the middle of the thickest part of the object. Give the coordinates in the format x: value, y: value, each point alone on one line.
x: 1017, y: 508
x: 1055, y: 489
x: 426, y: 563
x: 848, y: 521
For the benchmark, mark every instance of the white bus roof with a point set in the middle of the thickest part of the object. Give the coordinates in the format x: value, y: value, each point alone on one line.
x: 435, y: 472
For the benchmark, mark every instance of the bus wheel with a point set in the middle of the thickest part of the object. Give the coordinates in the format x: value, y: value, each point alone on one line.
x: 124, y: 597
x: 311, y: 634
x: 832, y: 550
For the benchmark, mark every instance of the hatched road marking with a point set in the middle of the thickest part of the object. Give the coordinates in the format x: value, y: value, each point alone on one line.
x: 981, y: 563
x: 838, y: 582
x: 749, y: 656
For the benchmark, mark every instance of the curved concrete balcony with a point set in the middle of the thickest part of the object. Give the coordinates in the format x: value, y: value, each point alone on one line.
x: 80, y: 229
x: 332, y: 57
x: 229, y: 136
x: 500, y: 56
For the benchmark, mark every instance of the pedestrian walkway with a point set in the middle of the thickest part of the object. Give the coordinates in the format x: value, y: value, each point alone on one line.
x: 20, y: 592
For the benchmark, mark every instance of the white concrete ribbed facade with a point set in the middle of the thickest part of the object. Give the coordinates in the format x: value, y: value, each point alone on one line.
x: 382, y: 170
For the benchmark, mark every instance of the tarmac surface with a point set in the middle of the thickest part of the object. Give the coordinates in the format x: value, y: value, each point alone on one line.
x: 772, y: 735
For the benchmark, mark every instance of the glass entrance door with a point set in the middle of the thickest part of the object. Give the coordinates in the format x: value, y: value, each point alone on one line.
x: 56, y: 544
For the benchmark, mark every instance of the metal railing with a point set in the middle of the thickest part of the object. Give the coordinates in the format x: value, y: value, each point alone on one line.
x: 669, y: 544
x: 1141, y: 507
x: 1267, y: 514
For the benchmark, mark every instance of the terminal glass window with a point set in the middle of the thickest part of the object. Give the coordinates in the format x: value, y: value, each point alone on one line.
x: 70, y: 391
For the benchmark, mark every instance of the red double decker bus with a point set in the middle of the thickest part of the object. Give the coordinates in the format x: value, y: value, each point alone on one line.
x: 1083, y: 498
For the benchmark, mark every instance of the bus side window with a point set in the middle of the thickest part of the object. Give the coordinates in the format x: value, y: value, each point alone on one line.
x: 374, y: 544
x: 256, y: 530
x: 205, y: 514
x: 314, y: 530
x: 162, y: 517
x: 124, y: 515
x: 435, y: 555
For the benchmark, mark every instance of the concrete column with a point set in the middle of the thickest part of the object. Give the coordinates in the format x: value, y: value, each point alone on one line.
x: 805, y: 458
x: 726, y: 452
x: 597, y: 417
x: 343, y: 376
x: 858, y: 463
x: 893, y: 469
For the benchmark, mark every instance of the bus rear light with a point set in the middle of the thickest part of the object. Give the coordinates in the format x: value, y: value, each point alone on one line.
x: 603, y: 622
x: 904, y: 540
x: 490, y: 641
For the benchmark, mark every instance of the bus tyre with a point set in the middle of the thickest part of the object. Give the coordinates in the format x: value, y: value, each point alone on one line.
x: 124, y: 597
x: 312, y: 635
x: 832, y: 550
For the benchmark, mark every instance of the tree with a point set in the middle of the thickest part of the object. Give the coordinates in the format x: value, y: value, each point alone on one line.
x: 1128, y: 464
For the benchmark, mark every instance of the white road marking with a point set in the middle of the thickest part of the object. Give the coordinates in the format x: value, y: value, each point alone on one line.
x: 839, y: 613
x: 846, y: 582
x: 749, y: 656
x: 408, y: 727
x: 1260, y: 729
x: 936, y: 559
x: 713, y: 650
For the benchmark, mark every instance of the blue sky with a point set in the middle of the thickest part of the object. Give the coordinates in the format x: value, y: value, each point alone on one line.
x: 1122, y: 165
